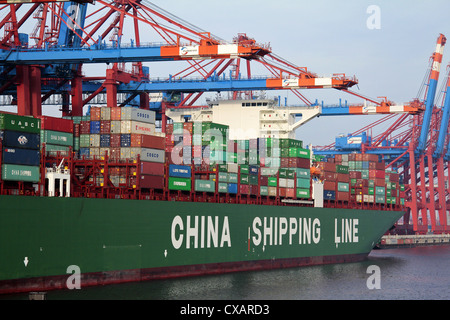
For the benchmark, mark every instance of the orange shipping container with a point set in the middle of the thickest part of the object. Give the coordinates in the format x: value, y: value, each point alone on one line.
x: 116, y: 113
x: 95, y: 113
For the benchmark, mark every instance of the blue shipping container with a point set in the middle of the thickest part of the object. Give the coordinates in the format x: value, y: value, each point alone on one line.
x: 253, y: 169
x: 232, y: 188
x: 27, y: 157
x: 95, y: 127
x: 105, y: 140
x: 84, y: 152
x: 25, y: 140
x: 125, y: 140
x: 179, y: 171
x: 329, y: 195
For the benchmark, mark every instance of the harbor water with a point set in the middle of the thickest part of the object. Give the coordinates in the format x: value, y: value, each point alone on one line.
x: 420, y: 273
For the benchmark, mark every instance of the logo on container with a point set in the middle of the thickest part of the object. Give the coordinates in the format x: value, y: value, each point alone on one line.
x: 22, y: 140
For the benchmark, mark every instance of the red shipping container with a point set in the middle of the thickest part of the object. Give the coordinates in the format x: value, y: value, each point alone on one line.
x: 197, y: 151
x: 342, y: 196
x: 342, y: 177
x: 284, y: 162
x: 116, y: 113
x: 329, y: 185
x: 254, y: 189
x: 169, y: 129
x: 244, y: 188
x: 394, y: 177
x: 379, y: 182
x: 290, y: 192
x: 105, y: 127
x: 95, y: 113
x: 85, y: 127
x: 114, y: 153
x: 148, y: 141
x: 187, y: 139
x: 56, y: 124
x: 114, y: 141
x: 330, y: 176
x: 76, y: 130
x: 355, y: 174
x: 151, y: 182
x: 263, y: 180
x: 152, y: 168
x: 282, y: 192
x: 379, y: 174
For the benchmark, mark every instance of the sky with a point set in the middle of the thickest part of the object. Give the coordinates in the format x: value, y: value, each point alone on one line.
x: 388, y: 49
x: 389, y: 57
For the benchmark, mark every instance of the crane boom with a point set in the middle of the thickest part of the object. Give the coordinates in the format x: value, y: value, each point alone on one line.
x: 444, y: 122
x: 434, y: 76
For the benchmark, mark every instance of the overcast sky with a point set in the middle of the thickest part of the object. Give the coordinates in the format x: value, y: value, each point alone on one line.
x: 333, y: 37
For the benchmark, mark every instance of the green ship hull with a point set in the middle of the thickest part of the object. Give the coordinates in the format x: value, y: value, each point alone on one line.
x: 45, y: 242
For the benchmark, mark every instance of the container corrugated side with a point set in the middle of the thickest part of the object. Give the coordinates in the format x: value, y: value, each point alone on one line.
x: 28, y: 157
x: 15, y: 172
x: 19, y: 123
x: 179, y: 171
x: 57, y: 138
x: 136, y: 114
x: 204, y: 185
x: 17, y: 139
x: 182, y: 184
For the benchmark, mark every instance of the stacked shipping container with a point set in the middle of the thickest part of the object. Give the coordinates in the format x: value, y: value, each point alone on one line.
x: 360, y: 178
x: 20, y: 141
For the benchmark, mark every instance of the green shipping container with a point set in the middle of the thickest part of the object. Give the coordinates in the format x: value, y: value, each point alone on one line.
x: 19, y: 123
x: 223, y: 187
x: 14, y: 172
x: 57, y: 138
x: 341, y: 169
x: 379, y: 191
x: 85, y: 140
x: 244, y: 168
x: 303, y: 183
x: 303, y: 193
x: 232, y: 178
x: 183, y: 184
x: 205, y: 185
x: 253, y: 180
x: 223, y: 177
x: 379, y: 198
x: 302, y: 173
x: 303, y: 153
x: 272, y: 182
x: 244, y: 179
x: 264, y: 190
x: 343, y: 186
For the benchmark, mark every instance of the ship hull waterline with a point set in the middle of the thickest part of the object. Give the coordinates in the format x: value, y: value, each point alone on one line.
x: 46, y: 242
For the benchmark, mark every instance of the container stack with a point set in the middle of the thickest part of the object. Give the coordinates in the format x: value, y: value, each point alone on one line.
x: 180, y: 178
x: 20, y: 137
x: 228, y: 178
x: 360, y: 178
x: 57, y: 134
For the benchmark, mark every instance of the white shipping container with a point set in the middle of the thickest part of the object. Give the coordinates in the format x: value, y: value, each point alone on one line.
x: 152, y: 155
x: 103, y: 151
x: 94, y: 141
x: 105, y: 113
x: 232, y: 167
x: 125, y: 153
x: 290, y: 183
x: 282, y: 182
x: 137, y: 127
x: 136, y: 114
x: 94, y: 152
x: 115, y: 126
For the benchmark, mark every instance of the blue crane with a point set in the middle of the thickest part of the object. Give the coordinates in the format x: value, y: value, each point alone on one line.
x: 429, y: 103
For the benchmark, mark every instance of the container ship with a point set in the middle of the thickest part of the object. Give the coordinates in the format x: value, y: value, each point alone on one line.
x: 105, y: 198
